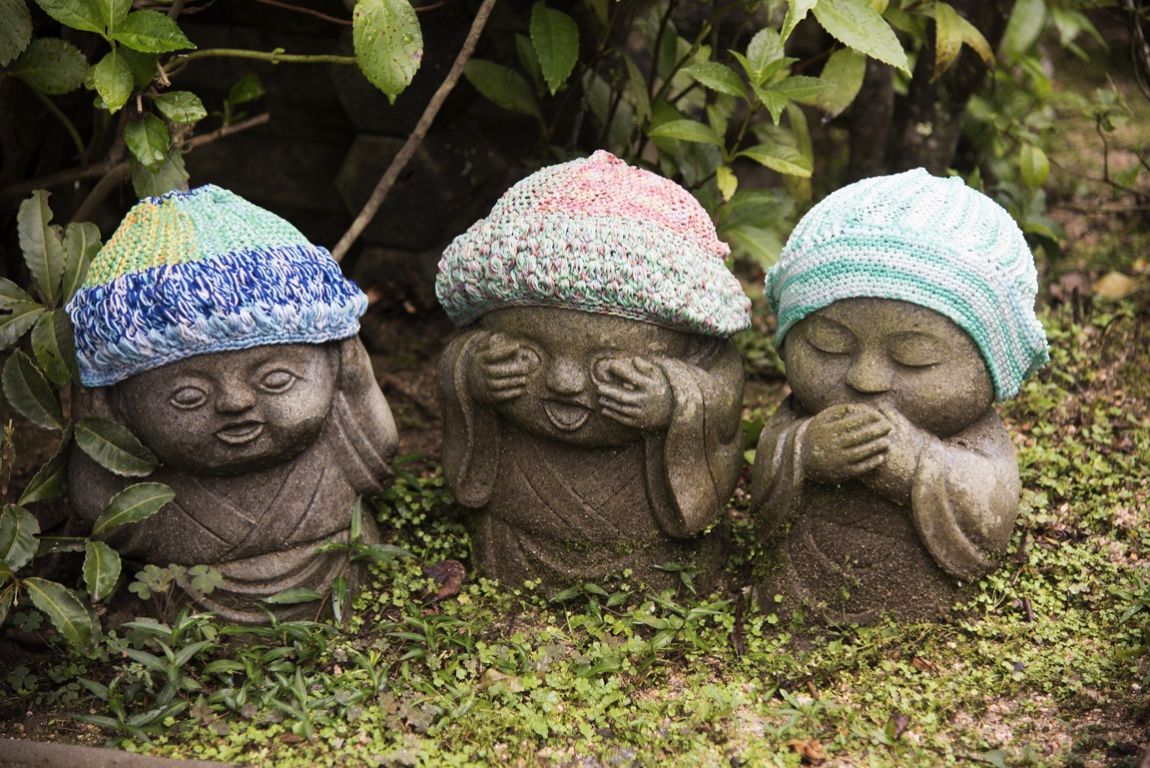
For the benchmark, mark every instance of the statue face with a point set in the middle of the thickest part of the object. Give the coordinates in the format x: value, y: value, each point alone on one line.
x: 886, y: 352
x: 232, y: 412
x: 568, y: 355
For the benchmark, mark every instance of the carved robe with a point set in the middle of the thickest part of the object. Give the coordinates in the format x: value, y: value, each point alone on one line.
x: 563, y: 513
x: 847, y: 554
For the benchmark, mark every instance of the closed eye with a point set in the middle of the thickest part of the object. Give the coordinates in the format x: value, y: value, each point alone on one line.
x: 279, y: 380
x: 188, y: 398
x: 916, y: 350
x: 828, y: 336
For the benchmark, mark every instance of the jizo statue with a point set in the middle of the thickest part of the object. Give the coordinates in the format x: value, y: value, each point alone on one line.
x: 886, y: 482
x: 592, y: 402
x: 227, y: 343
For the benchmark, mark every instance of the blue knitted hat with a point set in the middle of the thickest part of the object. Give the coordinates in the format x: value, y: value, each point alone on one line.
x: 600, y: 236
x: 926, y: 240
x: 190, y: 273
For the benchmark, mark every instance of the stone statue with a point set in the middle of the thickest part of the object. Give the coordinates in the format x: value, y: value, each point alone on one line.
x: 886, y: 482
x: 592, y: 403
x: 227, y: 343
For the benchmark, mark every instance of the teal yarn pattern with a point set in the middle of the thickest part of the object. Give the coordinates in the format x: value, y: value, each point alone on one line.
x: 599, y: 236
x: 926, y: 240
x: 199, y: 272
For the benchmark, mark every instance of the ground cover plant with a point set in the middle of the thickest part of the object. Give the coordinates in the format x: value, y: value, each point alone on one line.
x: 1045, y: 667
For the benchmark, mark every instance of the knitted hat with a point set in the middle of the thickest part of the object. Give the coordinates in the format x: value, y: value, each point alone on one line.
x: 600, y: 236
x: 929, y: 241
x: 190, y: 273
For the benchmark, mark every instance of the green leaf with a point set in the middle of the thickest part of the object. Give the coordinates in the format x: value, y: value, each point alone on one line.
x: 718, y: 77
x: 142, y: 66
x: 54, y: 346
x: 637, y: 91
x: 599, y: 8
x: 49, y: 481
x: 29, y: 393
x: 15, y: 29
x: 843, y: 73
x: 71, y: 617
x: 1027, y: 19
x: 502, y: 86
x: 855, y: 24
x: 81, y: 243
x: 388, y: 43
x: 555, y: 37
x: 1034, y: 166
x: 528, y: 60
x: 381, y: 553
x: 293, y: 596
x: 781, y: 158
x: 18, y: 529
x: 168, y: 175
x: 974, y: 38
x: 797, y: 10
x: 148, y: 141
x: 247, y: 88
x: 78, y: 14
x: 135, y: 503
x: 152, y: 32
x: 774, y: 101
x: 41, y: 244
x: 7, y: 597
x: 181, y: 107
x: 800, y: 88
x: 20, y: 318
x: 51, y: 66
x: 761, y: 245
x: 101, y: 570
x: 686, y: 130
x: 113, y: 80
x: 764, y: 50
x: 12, y: 295
x: 114, y: 448
x: 947, y: 38
x: 50, y: 545
x: 727, y: 180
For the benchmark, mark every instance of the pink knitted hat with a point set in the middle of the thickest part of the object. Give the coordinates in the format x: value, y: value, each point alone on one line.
x: 600, y: 236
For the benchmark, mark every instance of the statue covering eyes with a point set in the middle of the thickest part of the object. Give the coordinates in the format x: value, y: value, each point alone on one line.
x: 227, y: 343
x: 592, y: 402
x: 886, y: 481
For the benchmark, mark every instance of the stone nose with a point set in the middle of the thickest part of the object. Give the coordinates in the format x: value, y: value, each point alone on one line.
x: 566, y: 376
x: 869, y: 374
x: 234, y: 398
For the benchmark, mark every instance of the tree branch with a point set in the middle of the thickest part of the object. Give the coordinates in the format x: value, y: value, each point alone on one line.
x: 275, y: 57
x: 407, y: 151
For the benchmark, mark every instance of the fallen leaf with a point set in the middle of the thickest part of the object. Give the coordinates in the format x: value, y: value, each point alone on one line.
x: 449, y: 575
x: 1114, y: 285
x: 809, y: 751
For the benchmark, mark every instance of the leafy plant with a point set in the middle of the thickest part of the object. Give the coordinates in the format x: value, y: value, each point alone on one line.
x: 141, y: 51
x: 57, y: 259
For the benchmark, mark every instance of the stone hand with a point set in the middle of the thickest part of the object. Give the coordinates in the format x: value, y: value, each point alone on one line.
x: 634, y: 392
x: 499, y: 370
x: 906, y: 443
x: 844, y: 442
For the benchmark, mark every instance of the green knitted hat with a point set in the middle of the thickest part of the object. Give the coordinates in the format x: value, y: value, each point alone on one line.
x: 202, y: 271
x: 600, y: 236
x: 926, y: 240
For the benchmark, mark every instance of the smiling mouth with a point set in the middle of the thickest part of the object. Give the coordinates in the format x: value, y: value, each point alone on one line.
x: 242, y: 433
x: 567, y: 417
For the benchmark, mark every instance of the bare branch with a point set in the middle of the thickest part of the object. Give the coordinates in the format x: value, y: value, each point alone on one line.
x: 407, y: 151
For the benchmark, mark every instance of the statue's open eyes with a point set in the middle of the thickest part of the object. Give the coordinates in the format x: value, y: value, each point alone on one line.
x: 189, y: 397
x: 279, y: 380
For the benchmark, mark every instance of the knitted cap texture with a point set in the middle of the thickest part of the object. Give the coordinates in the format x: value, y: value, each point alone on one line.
x: 600, y: 236
x: 926, y: 240
x: 191, y: 273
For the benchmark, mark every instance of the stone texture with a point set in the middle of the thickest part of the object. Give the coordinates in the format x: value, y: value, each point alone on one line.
x: 266, y: 448
x: 589, y: 444
x: 885, y: 483
x: 17, y: 753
